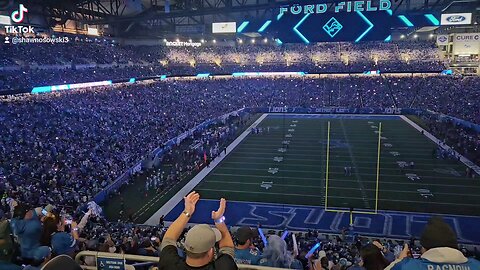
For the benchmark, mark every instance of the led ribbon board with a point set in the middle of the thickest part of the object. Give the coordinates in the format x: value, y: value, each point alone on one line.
x: 332, y: 27
x: 353, y: 21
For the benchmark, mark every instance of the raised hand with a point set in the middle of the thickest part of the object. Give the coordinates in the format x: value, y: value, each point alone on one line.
x: 405, y: 252
x: 190, y: 201
x: 221, y: 210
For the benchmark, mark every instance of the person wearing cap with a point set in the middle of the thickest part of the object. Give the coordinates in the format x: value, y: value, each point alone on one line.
x: 439, y: 251
x: 199, y: 241
x: 6, y: 244
x: 244, y: 253
x: 321, y: 263
x: 40, y: 257
x: 27, y: 228
x: 54, y: 235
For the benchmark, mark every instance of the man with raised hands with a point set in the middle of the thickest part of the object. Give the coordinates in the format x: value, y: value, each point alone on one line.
x: 199, y: 241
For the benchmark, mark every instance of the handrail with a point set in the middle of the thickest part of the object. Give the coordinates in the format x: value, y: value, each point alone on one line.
x: 141, y: 258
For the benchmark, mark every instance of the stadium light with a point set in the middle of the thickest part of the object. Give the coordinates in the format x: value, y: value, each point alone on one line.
x: 214, y: 41
x: 165, y: 40
x: 178, y: 40
x: 402, y: 36
x: 431, y: 35
x: 202, y: 40
x: 190, y: 40
x: 265, y: 40
x: 240, y: 41
x: 415, y: 36
x: 253, y: 40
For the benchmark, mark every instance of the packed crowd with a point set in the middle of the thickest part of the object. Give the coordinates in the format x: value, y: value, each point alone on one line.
x: 42, y: 233
x: 60, y: 143
x: 464, y: 140
x: 62, y: 148
x: 31, y: 65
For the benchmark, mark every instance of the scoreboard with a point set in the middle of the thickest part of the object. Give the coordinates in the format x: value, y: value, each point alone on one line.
x: 331, y: 27
x: 354, y: 21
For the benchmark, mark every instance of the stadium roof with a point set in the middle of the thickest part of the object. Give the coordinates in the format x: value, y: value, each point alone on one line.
x: 155, y: 18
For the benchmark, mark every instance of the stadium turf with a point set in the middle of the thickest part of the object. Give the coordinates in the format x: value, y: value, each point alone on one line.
x: 258, y: 170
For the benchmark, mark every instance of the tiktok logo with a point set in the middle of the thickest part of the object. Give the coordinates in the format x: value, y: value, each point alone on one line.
x: 18, y: 15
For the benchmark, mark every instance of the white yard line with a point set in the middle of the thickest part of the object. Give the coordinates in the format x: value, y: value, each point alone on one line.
x: 340, y: 180
x: 168, y: 206
x: 463, y: 159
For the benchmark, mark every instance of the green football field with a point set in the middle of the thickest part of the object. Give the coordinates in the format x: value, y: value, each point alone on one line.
x: 263, y: 169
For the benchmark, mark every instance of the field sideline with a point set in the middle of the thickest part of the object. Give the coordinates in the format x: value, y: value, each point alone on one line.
x: 283, y: 187
x: 258, y: 171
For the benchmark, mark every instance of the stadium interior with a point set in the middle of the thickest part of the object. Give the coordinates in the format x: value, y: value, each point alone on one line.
x: 239, y: 134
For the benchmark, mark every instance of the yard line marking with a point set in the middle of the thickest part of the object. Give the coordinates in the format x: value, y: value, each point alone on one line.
x: 339, y: 197
x: 335, y: 173
x: 232, y: 157
x: 293, y: 153
x: 316, y: 166
x: 170, y: 204
x: 345, y: 188
x: 340, y: 180
x: 438, y: 142
x: 358, y: 176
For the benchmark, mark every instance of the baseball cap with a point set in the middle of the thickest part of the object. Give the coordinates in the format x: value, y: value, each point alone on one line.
x: 63, y: 243
x: 41, y: 253
x: 245, y: 233
x: 438, y: 233
x: 322, y: 254
x: 62, y: 262
x: 201, y: 238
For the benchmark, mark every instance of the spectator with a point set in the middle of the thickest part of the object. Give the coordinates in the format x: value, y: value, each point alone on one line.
x: 27, y: 228
x: 62, y: 262
x: 276, y: 254
x: 373, y: 258
x: 199, y: 241
x: 40, y: 258
x: 55, y: 235
x: 6, y: 244
x: 439, y: 250
x: 245, y: 252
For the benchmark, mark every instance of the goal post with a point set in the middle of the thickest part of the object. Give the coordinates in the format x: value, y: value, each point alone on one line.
x: 327, y: 176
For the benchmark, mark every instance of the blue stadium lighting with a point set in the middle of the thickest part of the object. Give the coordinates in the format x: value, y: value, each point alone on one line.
x: 41, y: 89
x: 203, y: 75
x: 279, y: 16
x: 432, y: 19
x: 264, y: 26
x: 132, y: 80
x: 390, y: 12
x: 278, y: 41
x: 264, y: 239
x: 284, y: 235
x: 405, y: 20
x: 44, y: 89
x: 312, y: 250
x: 242, y: 26
x: 368, y: 29
x: 295, y: 29
x: 239, y: 74
x: 388, y: 39
x: 163, y: 77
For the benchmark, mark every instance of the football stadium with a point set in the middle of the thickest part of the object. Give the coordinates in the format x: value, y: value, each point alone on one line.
x: 239, y: 134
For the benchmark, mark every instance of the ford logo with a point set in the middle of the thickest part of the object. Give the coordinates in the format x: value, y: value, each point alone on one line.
x: 456, y: 18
